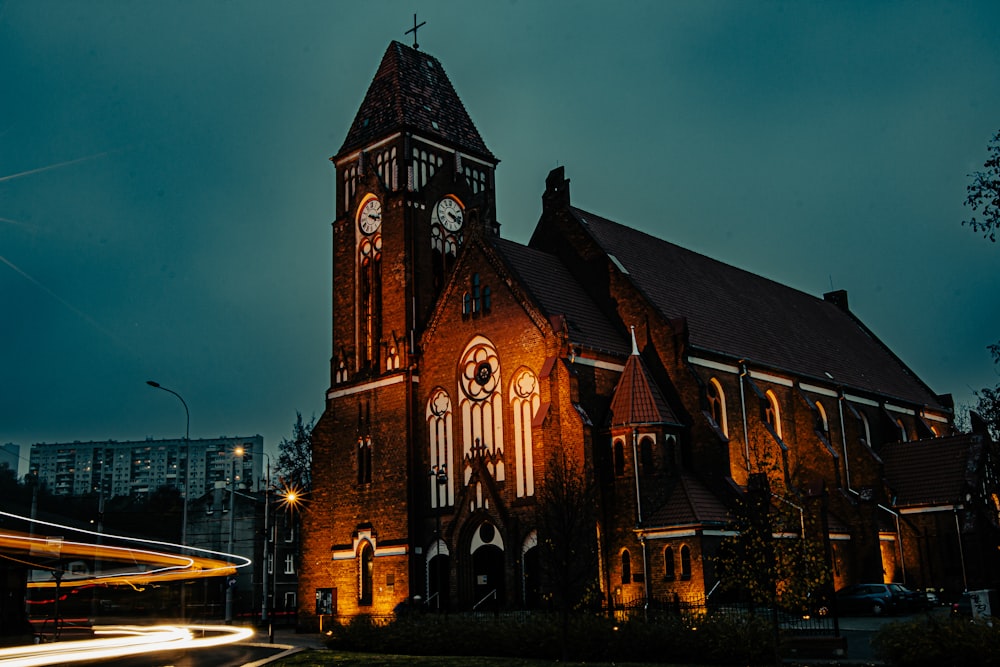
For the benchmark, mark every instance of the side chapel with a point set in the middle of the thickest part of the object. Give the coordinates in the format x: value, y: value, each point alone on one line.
x: 465, y: 364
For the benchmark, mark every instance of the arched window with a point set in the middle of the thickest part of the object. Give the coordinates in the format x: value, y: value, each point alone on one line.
x: 822, y: 422
x: 619, y: 455
x: 685, y: 562
x: 867, y: 429
x: 772, y: 413
x: 626, y: 567
x: 370, y: 285
x: 366, y: 564
x: 669, y: 453
x: 482, y: 406
x: 717, y: 405
x: 669, y: 572
x: 524, y: 402
x: 646, y: 454
x: 365, y: 460
x: 439, y: 438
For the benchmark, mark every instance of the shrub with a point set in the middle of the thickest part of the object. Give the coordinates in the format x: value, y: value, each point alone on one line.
x: 933, y: 642
x: 719, y: 640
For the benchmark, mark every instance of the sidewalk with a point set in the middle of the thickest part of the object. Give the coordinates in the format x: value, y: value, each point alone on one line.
x: 286, y: 642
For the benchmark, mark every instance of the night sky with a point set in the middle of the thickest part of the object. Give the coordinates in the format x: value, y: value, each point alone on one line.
x: 166, y: 192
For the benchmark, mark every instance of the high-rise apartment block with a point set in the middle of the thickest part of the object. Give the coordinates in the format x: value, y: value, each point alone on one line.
x: 136, y: 468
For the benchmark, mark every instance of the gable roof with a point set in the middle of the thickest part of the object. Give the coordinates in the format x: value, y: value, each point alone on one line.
x: 741, y: 315
x: 637, y: 400
x: 411, y: 91
x: 555, y: 291
x: 932, y: 471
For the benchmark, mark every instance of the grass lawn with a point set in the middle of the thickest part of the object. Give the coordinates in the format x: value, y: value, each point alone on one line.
x: 325, y: 658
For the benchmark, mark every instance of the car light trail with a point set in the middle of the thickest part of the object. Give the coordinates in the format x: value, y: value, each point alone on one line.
x: 119, y: 641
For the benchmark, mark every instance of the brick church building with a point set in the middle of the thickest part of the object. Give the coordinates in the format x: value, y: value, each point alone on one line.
x: 466, y: 367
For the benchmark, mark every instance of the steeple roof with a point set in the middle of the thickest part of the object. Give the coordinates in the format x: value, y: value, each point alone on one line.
x: 637, y: 399
x: 411, y: 92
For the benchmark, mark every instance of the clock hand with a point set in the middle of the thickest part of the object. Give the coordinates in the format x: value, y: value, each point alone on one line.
x: 452, y: 216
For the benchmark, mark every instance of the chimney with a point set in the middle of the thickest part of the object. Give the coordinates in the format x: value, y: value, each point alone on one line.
x: 838, y: 298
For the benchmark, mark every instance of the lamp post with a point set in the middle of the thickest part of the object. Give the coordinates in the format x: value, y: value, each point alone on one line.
x: 265, y: 610
x: 187, y: 477
x: 237, y: 454
x: 440, y: 474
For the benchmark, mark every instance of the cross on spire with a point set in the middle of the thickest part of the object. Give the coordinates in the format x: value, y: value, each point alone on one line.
x: 414, y: 31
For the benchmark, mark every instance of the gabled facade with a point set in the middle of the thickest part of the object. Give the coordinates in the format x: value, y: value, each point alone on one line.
x: 465, y: 365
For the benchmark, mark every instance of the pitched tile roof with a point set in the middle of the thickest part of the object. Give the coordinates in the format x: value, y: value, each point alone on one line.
x: 637, y: 399
x: 411, y: 91
x: 689, y: 503
x: 933, y: 471
x: 556, y: 292
x: 736, y: 313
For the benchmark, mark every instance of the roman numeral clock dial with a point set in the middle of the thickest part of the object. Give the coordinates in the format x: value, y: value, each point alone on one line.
x: 449, y: 214
x: 370, y: 215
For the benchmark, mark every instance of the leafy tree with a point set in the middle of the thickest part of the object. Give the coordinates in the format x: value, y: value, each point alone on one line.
x: 988, y: 400
x: 983, y: 194
x: 294, y: 464
x: 568, y: 536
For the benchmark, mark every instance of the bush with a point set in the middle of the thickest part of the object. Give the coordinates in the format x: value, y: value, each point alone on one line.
x: 934, y: 642
x: 718, y: 639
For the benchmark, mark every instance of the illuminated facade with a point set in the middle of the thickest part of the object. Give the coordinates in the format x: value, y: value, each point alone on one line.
x: 465, y: 365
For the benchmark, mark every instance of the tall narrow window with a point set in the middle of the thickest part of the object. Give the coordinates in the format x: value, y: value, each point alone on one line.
x: 524, y: 402
x: 669, y: 573
x: 717, y: 405
x: 439, y: 438
x: 370, y: 285
x: 902, y: 430
x: 626, y: 567
x: 669, y: 453
x: 822, y: 423
x: 646, y: 454
x: 290, y: 564
x: 866, y: 428
x: 619, y: 456
x: 772, y: 413
x: 365, y: 460
x: 685, y: 562
x: 366, y: 566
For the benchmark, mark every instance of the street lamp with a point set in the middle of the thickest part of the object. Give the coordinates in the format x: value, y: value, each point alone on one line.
x: 237, y: 454
x: 440, y: 474
x: 187, y: 476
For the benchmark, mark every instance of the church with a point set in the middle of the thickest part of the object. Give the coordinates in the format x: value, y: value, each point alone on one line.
x: 470, y: 371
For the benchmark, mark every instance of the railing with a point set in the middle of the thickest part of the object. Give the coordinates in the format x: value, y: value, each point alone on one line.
x: 491, y: 594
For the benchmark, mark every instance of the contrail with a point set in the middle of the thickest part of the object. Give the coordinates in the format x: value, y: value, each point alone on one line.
x: 19, y: 223
x: 53, y: 166
x: 58, y: 298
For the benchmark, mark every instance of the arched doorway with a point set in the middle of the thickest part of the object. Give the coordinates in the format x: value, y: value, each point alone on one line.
x: 488, y: 581
x: 438, y: 577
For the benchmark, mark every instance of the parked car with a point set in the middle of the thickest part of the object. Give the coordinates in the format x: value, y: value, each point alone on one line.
x: 877, y: 599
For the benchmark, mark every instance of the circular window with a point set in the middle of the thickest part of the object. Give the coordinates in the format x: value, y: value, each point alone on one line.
x: 487, y: 532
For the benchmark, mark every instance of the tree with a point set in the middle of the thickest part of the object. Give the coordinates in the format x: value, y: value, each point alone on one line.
x: 983, y: 194
x: 294, y: 464
x: 988, y: 400
x: 568, y: 536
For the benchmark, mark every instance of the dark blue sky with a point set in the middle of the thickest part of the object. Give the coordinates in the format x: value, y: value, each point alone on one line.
x: 166, y: 195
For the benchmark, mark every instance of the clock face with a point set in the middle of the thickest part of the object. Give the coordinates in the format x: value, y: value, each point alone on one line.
x: 449, y: 214
x: 370, y: 216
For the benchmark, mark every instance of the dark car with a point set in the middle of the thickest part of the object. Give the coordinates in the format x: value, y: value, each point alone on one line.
x: 876, y: 599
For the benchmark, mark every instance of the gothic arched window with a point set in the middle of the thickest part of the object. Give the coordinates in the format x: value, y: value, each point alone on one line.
x: 370, y: 286
x: 646, y: 454
x: 626, y: 567
x: 439, y: 437
x: 366, y: 565
x: 685, y: 562
x: 772, y: 413
x: 669, y: 571
x: 365, y: 460
x: 717, y: 405
x: 524, y: 402
x: 481, y: 405
x: 619, y: 456
x: 822, y: 422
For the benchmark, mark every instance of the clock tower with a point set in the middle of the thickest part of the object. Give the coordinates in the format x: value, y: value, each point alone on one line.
x: 414, y: 182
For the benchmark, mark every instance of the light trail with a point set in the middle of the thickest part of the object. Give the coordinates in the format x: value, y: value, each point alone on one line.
x: 119, y: 641
x: 166, y: 566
